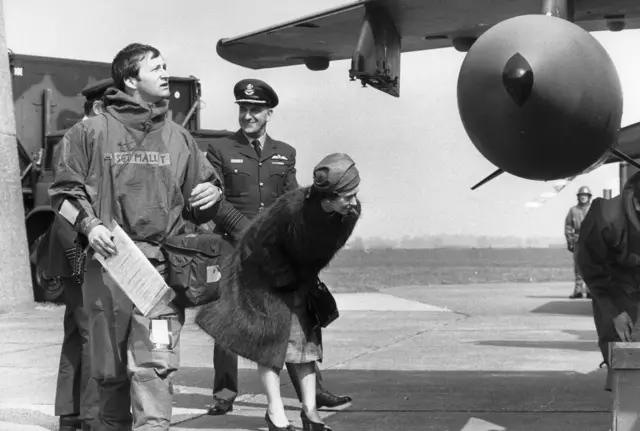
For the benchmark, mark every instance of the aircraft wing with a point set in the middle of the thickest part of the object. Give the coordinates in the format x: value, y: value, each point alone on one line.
x: 421, y: 24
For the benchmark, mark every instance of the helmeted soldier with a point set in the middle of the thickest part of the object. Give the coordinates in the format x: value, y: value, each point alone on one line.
x: 572, y: 224
x: 256, y: 169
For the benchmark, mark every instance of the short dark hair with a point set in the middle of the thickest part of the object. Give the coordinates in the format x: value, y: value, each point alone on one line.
x: 88, y: 106
x: 126, y: 63
x: 315, y: 194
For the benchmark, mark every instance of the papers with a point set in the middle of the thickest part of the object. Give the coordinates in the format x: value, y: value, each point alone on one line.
x: 134, y: 274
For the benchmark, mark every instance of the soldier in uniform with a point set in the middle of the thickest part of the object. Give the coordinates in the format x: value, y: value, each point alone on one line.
x: 571, y: 231
x: 76, y: 392
x: 255, y: 170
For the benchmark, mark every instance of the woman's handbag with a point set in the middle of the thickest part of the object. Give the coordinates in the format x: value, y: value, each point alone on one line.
x: 322, y: 305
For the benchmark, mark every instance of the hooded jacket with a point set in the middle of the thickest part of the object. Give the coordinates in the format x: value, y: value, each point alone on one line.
x: 133, y: 166
x: 608, y: 252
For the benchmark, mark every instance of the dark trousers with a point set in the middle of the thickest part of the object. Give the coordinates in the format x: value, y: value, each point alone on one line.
x: 225, y: 380
x: 76, y: 391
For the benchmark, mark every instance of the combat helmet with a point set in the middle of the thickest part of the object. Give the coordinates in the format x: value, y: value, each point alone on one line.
x: 584, y: 190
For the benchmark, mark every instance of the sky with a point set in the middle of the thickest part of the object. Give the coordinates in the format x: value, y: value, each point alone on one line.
x: 416, y: 162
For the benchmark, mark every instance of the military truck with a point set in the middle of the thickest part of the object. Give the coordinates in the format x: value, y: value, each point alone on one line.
x: 47, y: 102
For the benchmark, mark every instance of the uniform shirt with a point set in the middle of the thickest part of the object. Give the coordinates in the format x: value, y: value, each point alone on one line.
x: 248, y: 183
x: 261, y: 140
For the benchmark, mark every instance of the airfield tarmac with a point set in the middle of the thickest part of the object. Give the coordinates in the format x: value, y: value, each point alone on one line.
x: 443, y: 357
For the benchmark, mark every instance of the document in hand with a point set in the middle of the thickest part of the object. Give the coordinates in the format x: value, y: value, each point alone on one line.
x: 135, y: 275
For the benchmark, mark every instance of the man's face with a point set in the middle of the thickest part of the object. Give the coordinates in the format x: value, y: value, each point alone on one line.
x: 583, y: 199
x: 153, y: 80
x: 253, y: 118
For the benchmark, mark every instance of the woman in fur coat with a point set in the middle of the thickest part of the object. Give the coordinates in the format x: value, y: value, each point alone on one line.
x: 262, y: 314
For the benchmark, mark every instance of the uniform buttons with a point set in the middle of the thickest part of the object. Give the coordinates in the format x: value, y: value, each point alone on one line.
x: 261, y: 204
x: 235, y: 171
x: 260, y: 164
x: 261, y: 184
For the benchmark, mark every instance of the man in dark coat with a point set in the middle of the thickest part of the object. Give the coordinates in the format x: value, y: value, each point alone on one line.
x: 255, y: 171
x: 608, y: 256
x: 76, y: 392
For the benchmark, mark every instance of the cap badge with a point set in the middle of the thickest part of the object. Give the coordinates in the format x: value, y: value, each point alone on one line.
x: 249, y: 91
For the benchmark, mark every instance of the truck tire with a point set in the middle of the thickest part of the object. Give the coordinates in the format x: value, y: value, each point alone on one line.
x: 45, y: 289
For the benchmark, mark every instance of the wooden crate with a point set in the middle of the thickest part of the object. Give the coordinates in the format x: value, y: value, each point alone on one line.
x: 625, y: 369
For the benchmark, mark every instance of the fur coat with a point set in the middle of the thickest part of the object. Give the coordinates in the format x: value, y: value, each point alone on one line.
x: 280, y: 255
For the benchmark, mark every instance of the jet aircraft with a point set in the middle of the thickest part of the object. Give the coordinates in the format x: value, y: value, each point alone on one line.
x: 538, y: 96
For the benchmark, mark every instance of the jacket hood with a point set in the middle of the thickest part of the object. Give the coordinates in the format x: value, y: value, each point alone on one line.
x: 627, y: 200
x: 133, y: 114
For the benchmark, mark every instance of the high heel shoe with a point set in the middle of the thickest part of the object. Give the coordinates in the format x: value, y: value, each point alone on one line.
x: 309, y: 425
x: 273, y: 427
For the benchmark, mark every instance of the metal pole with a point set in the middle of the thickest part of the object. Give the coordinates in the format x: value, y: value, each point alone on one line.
x: 46, y: 115
x: 623, y: 174
x: 191, y: 111
x: 15, y: 275
x: 558, y: 8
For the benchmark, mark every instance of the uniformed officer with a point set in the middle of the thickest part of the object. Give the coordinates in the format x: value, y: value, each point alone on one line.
x: 76, y: 392
x: 572, y: 231
x: 256, y: 170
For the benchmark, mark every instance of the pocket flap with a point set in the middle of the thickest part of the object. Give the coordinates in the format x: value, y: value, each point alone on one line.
x: 179, y: 260
x: 207, y: 243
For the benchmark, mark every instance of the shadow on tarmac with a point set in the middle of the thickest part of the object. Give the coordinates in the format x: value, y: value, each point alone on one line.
x: 425, y: 399
x: 566, y: 307
x: 581, y: 346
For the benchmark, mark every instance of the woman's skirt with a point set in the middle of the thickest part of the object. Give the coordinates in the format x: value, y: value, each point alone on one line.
x: 305, y: 343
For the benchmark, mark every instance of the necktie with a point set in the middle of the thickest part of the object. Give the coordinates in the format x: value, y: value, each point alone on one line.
x: 256, y: 146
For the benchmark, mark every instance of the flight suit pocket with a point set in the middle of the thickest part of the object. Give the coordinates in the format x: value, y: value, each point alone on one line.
x: 277, y: 176
x: 236, y: 180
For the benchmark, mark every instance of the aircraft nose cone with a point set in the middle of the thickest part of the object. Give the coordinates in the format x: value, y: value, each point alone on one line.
x: 517, y: 78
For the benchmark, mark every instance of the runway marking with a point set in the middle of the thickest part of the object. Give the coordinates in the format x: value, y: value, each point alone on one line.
x: 475, y: 424
x: 10, y: 426
x: 381, y: 302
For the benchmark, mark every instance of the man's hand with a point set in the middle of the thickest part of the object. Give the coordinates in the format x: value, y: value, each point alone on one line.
x: 101, y: 241
x: 204, y: 196
x: 624, y: 326
x: 570, y: 247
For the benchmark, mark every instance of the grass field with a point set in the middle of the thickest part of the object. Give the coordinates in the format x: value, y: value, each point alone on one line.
x: 357, y: 271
